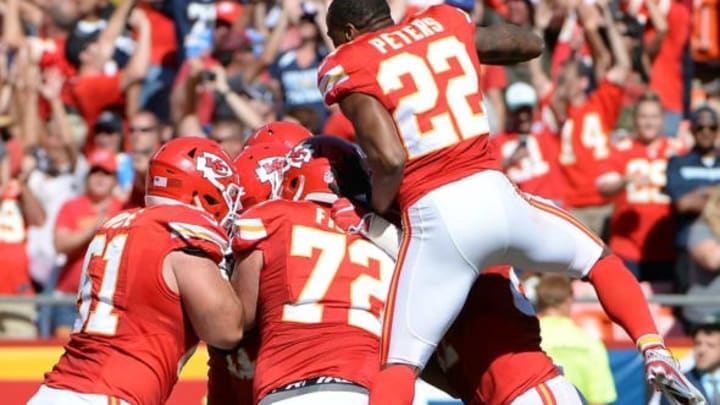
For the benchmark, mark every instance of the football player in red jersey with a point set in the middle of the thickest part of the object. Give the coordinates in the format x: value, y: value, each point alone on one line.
x: 230, y: 374
x: 314, y: 292
x: 642, y: 228
x: 411, y: 92
x: 152, y: 286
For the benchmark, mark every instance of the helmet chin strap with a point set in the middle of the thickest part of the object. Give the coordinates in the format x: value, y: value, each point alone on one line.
x: 327, y: 198
x: 301, y: 187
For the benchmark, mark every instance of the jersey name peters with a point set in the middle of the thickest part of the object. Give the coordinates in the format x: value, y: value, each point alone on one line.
x: 416, y: 30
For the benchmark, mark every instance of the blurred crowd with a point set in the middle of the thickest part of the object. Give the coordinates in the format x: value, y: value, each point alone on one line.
x: 617, y: 121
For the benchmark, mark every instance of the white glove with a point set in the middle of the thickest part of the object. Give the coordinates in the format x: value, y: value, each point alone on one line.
x: 663, y: 372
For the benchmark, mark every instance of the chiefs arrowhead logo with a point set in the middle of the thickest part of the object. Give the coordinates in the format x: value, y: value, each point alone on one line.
x: 268, y: 168
x: 213, y: 168
x: 298, y: 156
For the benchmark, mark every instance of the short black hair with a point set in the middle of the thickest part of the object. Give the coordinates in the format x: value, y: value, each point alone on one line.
x: 695, y: 116
x: 705, y: 328
x: 360, y: 13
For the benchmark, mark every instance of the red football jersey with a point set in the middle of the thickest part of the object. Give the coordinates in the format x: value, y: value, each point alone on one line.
x: 539, y: 173
x: 131, y: 337
x: 492, y: 354
x: 586, y: 143
x: 321, y: 295
x: 642, y: 226
x: 230, y: 374
x: 425, y: 71
x: 14, y: 261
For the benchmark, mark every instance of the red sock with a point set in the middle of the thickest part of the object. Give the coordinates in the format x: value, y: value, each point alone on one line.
x: 621, y: 297
x: 394, y: 385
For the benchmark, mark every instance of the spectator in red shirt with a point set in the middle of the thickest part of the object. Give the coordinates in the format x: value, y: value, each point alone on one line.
x: 585, y: 136
x: 528, y: 150
x: 666, y: 51
x: 95, y: 88
x: 75, y: 227
x: 642, y: 229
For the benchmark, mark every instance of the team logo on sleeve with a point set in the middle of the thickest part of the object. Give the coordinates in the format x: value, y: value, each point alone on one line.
x: 213, y: 168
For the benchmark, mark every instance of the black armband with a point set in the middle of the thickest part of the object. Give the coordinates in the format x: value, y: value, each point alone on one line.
x: 195, y: 251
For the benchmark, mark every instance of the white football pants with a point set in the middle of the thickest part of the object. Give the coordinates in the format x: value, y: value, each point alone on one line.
x: 454, y: 232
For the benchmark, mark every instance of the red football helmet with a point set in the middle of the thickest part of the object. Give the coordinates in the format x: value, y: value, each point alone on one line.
x: 194, y: 171
x: 307, y: 177
x: 281, y: 131
x: 261, y: 168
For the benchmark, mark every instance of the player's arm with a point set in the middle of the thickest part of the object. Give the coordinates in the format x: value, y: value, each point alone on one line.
x: 208, y: 299
x: 622, y: 65
x: 506, y: 44
x: 378, y: 137
x: 246, y: 280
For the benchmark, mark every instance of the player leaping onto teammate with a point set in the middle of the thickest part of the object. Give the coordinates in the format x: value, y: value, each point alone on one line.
x: 411, y: 92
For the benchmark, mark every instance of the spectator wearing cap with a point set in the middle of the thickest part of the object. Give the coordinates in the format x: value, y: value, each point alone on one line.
x: 294, y: 72
x: 75, y: 227
x: 691, y: 179
x: 108, y: 131
x: 642, y: 227
x: 97, y: 88
x: 529, y: 150
x: 705, y: 375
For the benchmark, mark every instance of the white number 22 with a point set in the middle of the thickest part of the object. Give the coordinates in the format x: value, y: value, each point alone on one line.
x: 417, y: 105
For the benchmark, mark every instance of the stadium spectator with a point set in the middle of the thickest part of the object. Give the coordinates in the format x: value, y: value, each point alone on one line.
x: 665, y: 40
x: 585, y: 135
x: 76, y: 224
x: 109, y: 134
x: 294, y: 72
x: 641, y: 225
x: 163, y: 61
x: 529, y: 150
x: 706, y: 352
x: 704, y: 248
x: 145, y: 138
x: 584, y: 359
x: 19, y: 207
x: 97, y: 89
x: 229, y: 135
x: 691, y: 179
x: 58, y: 176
